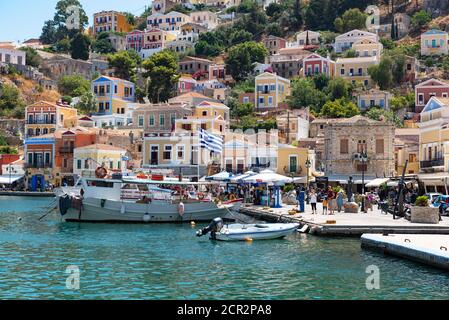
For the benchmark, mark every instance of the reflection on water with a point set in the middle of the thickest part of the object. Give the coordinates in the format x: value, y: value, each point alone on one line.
x: 168, y: 262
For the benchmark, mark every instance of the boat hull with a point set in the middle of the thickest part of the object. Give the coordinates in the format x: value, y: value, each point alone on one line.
x: 272, y: 231
x: 97, y: 210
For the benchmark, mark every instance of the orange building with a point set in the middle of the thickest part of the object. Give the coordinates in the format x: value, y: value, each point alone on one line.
x: 111, y: 21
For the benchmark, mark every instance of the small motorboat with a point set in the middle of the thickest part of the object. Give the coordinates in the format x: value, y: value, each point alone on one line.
x: 247, y: 232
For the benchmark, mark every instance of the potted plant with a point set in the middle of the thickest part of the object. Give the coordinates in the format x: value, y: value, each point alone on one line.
x: 423, y: 213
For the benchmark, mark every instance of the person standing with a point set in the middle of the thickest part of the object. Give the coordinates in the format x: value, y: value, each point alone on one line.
x: 331, y: 200
x: 313, y: 198
x: 339, y: 200
x: 325, y: 205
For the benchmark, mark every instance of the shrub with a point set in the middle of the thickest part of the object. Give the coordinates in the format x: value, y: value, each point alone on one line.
x: 422, y: 201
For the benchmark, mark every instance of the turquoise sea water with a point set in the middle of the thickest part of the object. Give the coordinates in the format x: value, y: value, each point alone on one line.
x: 168, y: 262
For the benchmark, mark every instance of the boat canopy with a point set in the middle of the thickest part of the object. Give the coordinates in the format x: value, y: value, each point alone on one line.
x: 164, y: 182
x: 6, y: 179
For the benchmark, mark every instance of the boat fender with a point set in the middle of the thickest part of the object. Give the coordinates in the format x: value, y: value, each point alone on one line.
x: 146, y: 218
x: 181, y: 209
x: 123, y: 209
x: 103, y: 202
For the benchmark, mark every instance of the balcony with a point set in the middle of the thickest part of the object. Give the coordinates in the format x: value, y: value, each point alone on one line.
x: 41, y: 122
x: 66, y: 149
x: 432, y: 163
x: 39, y: 165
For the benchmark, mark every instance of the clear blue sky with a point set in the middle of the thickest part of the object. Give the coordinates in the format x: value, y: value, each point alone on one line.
x: 23, y: 19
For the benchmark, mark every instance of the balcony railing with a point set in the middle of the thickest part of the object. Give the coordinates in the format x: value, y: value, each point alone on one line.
x: 39, y: 165
x: 66, y: 149
x: 41, y: 122
x: 432, y: 163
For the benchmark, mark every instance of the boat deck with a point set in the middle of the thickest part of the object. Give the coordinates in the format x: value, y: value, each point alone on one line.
x: 346, y: 224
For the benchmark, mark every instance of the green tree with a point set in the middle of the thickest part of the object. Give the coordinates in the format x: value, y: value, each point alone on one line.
x: 161, y: 69
x: 350, y: 20
x: 63, y: 24
x: 240, y: 36
x: 242, y: 109
x: 320, y: 15
x: 421, y: 18
x: 382, y: 73
x: 3, y: 141
x: 48, y: 35
x: 73, y: 85
x: 379, y: 114
x: 305, y: 95
x: 338, y: 88
x: 351, y: 53
x: 124, y: 64
x: 11, y: 101
x: 8, y: 150
x: 274, y: 29
x: 102, y: 44
x: 32, y: 58
x: 340, y: 108
x: 87, y: 103
x: 242, y: 57
x: 80, y: 46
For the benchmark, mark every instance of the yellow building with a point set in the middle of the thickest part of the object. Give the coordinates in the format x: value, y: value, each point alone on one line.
x: 210, y: 116
x: 270, y: 91
x: 406, y: 147
x: 157, y: 38
x: 111, y: 21
x: 434, y: 42
x: 292, y: 161
x: 368, y: 48
x: 355, y: 69
x: 44, y: 117
x: 87, y: 159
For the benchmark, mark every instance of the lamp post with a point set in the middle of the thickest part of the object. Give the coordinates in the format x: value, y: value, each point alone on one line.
x: 364, y: 159
x: 308, y: 166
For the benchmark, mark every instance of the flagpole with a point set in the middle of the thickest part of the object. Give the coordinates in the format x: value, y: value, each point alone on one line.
x: 198, y: 155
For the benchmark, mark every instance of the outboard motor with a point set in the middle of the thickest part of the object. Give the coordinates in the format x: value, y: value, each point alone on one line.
x: 215, y: 226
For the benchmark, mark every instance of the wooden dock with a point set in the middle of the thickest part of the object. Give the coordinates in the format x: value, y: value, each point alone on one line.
x: 346, y: 224
x: 26, y: 194
x: 428, y: 249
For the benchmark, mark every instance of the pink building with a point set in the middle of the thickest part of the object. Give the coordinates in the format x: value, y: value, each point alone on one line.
x: 186, y: 84
x: 428, y: 89
x: 315, y: 64
x: 134, y: 40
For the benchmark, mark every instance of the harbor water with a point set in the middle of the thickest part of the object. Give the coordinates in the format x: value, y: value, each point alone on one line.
x: 167, y: 261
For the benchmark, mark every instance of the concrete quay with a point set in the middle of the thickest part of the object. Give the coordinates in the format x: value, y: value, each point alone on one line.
x: 427, y: 249
x: 26, y: 194
x: 345, y: 224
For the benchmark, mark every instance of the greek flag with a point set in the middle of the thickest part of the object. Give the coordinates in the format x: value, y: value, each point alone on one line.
x: 211, y: 142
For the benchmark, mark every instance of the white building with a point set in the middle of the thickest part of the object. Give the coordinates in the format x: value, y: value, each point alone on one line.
x: 205, y: 18
x: 12, y: 56
x: 345, y: 41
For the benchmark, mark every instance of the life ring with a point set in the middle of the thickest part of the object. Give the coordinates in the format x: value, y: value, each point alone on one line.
x: 181, y: 209
x: 201, y: 196
x: 101, y: 172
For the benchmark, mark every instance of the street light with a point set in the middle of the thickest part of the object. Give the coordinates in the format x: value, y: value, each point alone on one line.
x: 308, y: 166
x: 364, y: 159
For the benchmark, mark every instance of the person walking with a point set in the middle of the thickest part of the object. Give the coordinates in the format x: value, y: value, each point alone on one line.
x: 313, y: 199
x: 325, y: 205
x: 340, y: 201
x: 331, y: 200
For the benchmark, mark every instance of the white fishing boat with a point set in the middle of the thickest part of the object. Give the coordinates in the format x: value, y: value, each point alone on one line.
x: 247, y: 232
x: 114, y: 200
